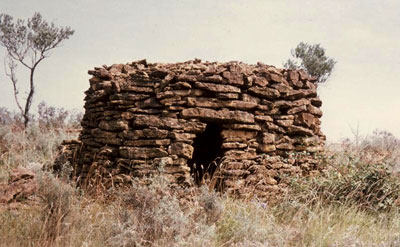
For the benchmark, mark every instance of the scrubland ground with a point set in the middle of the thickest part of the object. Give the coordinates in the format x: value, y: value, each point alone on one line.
x: 353, y: 202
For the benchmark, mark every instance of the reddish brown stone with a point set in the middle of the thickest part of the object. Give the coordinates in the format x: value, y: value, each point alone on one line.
x: 220, y: 88
x: 103, y: 134
x: 268, y: 138
x: 240, y: 134
x: 115, y: 125
x: 266, y: 148
x: 203, y: 102
x: 284, y: 123
x: 314, y: 110
x: 145, y: 133
x: 270, y: 181
x: 274, y: 77
x: 181, y: 149
x: 212, y: 78
x: 316, y: 102
x: 308, y: 141
x: 242, y: 127
x: 290, y: 104
x: 141, y: 152
x: 294, y: 79
x: 285, y: 146
x: 303, y: 75
x: 238, y: 104
x: 100, y: 73
x: 106, y: 85
x: 299, y: 130
x: 283, y: 88
x: 263, y: 118
x: 233, y: 145
x: 249, y: 98
x: 241, y: 155
x: 183, y: 137
x: 234, y: 79
x: 312, y: 149
x: 261, y: 81
x: 299, y: 94
x: 190, y: 78
x: 149, y: 103
x: 155, y: 121
x: 227, y: 95
x: 221, y: 115
x: 21, y: 185
x: 310, y: 85
x: 297, y: 109
x: 177, y: 169
x: 147, y: 142
x: 273, y: 127
x: 307, y: 119
x: 267, y: 93
x: 135, y: 89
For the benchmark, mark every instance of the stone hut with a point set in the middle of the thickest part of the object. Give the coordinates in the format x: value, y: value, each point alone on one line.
x: 246, y: 128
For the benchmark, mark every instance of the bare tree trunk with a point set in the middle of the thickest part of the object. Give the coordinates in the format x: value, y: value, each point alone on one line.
x: 29, y: 99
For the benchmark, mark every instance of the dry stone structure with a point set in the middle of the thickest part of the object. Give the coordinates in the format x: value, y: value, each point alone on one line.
x: 247, y: 126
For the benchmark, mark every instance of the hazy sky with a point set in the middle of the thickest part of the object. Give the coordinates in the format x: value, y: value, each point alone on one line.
x: 363, y: 36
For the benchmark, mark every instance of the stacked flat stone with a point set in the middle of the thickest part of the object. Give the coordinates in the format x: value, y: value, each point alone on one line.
x: 142, y: 116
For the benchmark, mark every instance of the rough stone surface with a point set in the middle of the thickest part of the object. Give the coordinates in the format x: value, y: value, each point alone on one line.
x: 140, y: 116
x: 21, y: 185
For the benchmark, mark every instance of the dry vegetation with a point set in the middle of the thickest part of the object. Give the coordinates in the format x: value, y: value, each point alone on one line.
x: 354, y: 202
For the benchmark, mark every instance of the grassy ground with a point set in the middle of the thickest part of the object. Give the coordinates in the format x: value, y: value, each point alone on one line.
x: 354, y: 202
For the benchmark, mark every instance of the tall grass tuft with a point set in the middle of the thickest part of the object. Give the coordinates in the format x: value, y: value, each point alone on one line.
x: 359, y: 174
x: 153, y: 215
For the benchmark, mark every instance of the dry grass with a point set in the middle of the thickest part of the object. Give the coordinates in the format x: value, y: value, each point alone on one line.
x: 320, y: 211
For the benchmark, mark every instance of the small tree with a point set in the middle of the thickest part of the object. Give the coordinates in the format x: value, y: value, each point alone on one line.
x: 313, y: 60
x: 28, y: 44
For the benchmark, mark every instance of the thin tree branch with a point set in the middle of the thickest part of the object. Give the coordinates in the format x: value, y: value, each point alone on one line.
x: 14, y: 81
x: 17, y: 58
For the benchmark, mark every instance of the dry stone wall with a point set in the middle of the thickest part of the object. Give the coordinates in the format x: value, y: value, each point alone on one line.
x: 249, y: 127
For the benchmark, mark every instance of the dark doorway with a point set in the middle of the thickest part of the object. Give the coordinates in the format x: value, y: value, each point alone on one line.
x: 207, y: 150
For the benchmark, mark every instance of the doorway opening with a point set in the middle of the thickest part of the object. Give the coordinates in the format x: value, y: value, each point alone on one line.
x: 207, y: 153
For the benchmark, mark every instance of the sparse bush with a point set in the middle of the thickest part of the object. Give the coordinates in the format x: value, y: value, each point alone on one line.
x: 382, y: 146
x: 58, y: 199
x: 359, y: 174
x: 153, y: 215
x: 47, y: 118
x: 75, y: 118
x: 246, y: 224
x: 367, y: 186
x: 19, y: 148
x: 51, y: 117
x: 10, y: 118
x: 211, y: 203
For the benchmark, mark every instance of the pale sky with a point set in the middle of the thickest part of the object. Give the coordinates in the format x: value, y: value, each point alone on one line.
x: 363, y: 36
